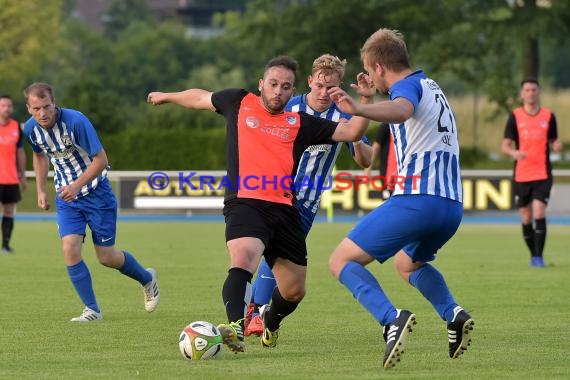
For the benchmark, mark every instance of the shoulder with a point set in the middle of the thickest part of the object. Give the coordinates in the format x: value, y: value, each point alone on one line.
x: 412, y: 86
x: 28, y: 126
x: 294, y: 101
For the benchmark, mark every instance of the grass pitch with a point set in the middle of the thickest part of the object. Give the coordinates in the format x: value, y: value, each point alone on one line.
x: 521, y: 313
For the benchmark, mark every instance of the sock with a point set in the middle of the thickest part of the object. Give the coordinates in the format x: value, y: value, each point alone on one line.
x: 367, y: 291
x: 539, y: 236
x: 432, y: 286
x: 280, y: 308
x: 134, y: 270
x: 81, y: 280
x: 7, y: 227
x: 263, y: 285
x: 236, y: 294
x: 528, y: 235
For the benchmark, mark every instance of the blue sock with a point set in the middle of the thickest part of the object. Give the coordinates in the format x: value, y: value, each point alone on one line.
x: 368, y: 292
x: 134, y: 270
x: 432, y: 286
x: 81, y: 280
x: 264, y: 284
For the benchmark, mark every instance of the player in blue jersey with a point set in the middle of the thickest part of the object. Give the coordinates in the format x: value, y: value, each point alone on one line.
x: 315, y: 166
x: 424, y: 211
x: 84, y: 196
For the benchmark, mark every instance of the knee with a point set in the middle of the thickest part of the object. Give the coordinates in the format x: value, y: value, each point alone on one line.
x: 405, y: 266
x: 109, y: 257
x: 336, y: 263
x: 294, y: 295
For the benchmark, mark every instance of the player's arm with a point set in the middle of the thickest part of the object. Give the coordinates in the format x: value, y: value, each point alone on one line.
x: 98, y: 163
x: 507, y: 148
x: 21, y: 163
x: 194, y: 98
x: 362, y: 154
x: 373, y: 158
x: 41, y: 167
x: 510, y: 135
x: 389, y: 111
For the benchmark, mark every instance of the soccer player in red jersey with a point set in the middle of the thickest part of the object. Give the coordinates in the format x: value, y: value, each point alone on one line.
x: 264, y: 144
x: 12, y: 168
x: 533, y: 131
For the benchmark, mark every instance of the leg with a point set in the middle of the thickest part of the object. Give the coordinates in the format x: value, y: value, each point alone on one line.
x: 527, y: 228
x: 429, y: 282
x: 245, y: 254
x: 263, y: 285
x: 78, y: 272
x: 539, y: 213
x: 7, y: 225
x: 262, y: 291
x: 286, y: 297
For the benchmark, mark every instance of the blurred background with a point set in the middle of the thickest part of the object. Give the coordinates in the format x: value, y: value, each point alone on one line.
x: 104, y: 56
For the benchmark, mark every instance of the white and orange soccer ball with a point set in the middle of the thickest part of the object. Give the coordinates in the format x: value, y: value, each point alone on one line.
x: 200, y: 340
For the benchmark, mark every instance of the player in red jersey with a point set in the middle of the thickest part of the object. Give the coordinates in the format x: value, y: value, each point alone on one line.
x: 533, y: 131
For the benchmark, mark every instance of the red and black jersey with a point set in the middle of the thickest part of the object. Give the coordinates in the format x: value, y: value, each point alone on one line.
x: 11, y: 138
x: 532, y: 134
x: 263, y: 149
x: 388, y: 163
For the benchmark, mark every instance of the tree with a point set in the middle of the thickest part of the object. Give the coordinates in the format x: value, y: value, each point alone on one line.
x: 27, y: 41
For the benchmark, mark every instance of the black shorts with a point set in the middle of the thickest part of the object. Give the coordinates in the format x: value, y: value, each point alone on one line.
x: 277, y: 225
x: 10, y: 194
x: 525, y: 192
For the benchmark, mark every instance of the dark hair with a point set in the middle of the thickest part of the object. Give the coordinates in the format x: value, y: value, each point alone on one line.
x: 530, y: 80
x: 6, y: 96
x: 285, y: 61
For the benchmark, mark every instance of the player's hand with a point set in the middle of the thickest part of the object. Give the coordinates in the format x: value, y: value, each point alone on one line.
x: 23, y: 184
x: 43, y: 202
x: 557, y: 146
x: 343, y: 101
x: 519, y: 155
x: 67, y: 193
x: 364, y: 86
x: 156, y: 98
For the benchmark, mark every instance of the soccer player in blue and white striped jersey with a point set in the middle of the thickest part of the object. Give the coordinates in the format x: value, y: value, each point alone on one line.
x: 84, y: 196
x: 425, y: 209
x: 316, y: 164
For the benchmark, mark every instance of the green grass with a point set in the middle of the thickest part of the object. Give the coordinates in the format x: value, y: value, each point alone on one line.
x: 521, y: 313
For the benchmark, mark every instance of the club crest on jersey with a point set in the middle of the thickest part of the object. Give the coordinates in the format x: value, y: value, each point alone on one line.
x: 66, y: 140
x: 252, y: 122
x: 292, y: 120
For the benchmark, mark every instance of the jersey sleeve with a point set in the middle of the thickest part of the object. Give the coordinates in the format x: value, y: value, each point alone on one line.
x: 511, y: 131
x: 315, y: 130
x: 409, y: 89
x: 552, y: 128
x: 227, y: 99
x: 28, y: 136
x: 20, y: 143
x: 86, y: 136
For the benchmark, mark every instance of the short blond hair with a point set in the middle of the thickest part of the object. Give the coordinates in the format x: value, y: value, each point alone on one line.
x: 328, y: 64
x: 387, y: 48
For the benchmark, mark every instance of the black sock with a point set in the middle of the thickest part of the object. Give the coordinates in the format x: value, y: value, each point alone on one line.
x: 235, y: 292
x: 539, y: 236
x: 7, y: 227
x: 280, y: 308
x: 528, y: 235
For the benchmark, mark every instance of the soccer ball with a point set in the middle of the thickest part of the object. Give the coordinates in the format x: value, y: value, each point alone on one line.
x: 200, y: 340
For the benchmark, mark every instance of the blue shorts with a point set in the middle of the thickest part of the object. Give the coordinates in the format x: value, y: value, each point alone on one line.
x: 98, y: 210
x: 418, y: 224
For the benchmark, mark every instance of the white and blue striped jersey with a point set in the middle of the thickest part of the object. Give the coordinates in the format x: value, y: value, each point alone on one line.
x: 426, y: 144
x: 70, y: 146
x: 317, y: 162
